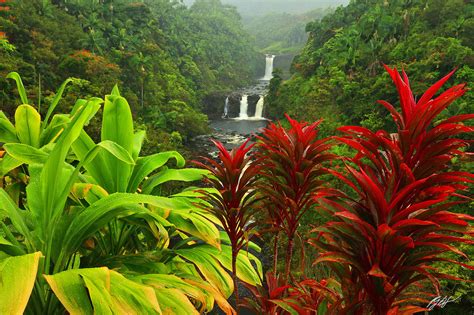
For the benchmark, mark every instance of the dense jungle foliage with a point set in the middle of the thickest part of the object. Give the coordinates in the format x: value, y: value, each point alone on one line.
x: 359, y: 208
x: 341, y: 63
x: 166, y: 56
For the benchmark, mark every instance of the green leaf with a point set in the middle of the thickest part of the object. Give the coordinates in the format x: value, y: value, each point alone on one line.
x: 54, y: 129
x: 138, y: 139
x: 104, y: 210
x: 117, y: 126
x: 19, y: 84
x: 184, y: 175
x: 102, y: 291
x: 210, y: 267
x: 97, y: 168
x: 245, y: 270
x: 8, y: 163
x: 54, y: 103
x: 115, y: 90
x: 7, y: 130
x: 195, y: 225
x: 10, y: 209
x: 52, y: 183
x: 168, y: 281
x: 28, y: 125
x: 26, y: 153
x: 146, y: 165
x: 18, y: 275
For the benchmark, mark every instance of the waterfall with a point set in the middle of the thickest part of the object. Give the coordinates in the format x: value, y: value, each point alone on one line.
x: 259, y: 107
x: 269, y: 67
x: 226, y: 108
x: 243, y: 107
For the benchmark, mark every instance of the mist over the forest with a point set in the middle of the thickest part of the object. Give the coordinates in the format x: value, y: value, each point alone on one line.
x: 263, y: 7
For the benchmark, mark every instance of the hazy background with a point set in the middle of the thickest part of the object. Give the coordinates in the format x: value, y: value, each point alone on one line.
x: 262, y: 7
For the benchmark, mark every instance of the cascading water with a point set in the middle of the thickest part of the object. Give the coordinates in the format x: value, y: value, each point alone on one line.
x: 259, y: 107
x: 226, y: 108
x: 243, y: 107
x: 268, y: 67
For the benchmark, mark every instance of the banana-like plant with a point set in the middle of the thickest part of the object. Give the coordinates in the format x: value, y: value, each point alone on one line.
x: 173, y: 261
x: 28, y: 128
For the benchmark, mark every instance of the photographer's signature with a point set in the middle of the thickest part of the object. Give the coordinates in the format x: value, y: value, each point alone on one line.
x: 441, y: 301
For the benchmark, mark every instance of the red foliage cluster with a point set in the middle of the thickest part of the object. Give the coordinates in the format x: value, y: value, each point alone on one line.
x: 383, y: 233
x: 291, y: 170
x: 233, y: 178
x: 381, y: 243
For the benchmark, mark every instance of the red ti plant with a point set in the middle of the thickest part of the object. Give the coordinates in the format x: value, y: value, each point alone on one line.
x: 231, y: 201
x: 381, y: 243
x: 291, y: 169
x: 305, y: 298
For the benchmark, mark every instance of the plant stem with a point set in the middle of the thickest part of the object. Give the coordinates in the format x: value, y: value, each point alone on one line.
x: 289, y: 256
x: 234, y: 278
x: 275, y: 253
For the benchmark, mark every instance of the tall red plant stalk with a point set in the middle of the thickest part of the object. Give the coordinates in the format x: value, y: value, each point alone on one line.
x: 291, y: 169
x: 382, y: 242
x: 233, y: 178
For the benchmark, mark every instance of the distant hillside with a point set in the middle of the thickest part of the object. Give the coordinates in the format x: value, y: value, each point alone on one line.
x: 282, y: 33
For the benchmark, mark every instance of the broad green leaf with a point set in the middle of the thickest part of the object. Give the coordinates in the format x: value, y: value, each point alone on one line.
x: 117, y: 122
x: 54, y: 103
x: 195, y: 225
x: 173, y: 301
x: 138, y: 139
x: 102, y: 291
x: 18, y: 275
x: 19, y: 84
x: 26, y: 153
x: 209, y: 267
x: 7, y: 130
x: 117, y: 151
x: 184, y: 175
x: 245, y: 270
x: 168, y: 281
x: 8, y: 163
x: 117, y: 126
x: 28, y: 125
x: 146, y: 165
x: 97, y: 168
x: 103, y: 211
x: 218, y: 297
x: 69, y: 288
x: 51, y: 182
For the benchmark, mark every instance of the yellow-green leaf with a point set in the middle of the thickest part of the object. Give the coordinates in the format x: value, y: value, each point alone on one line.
x: 17, y: 278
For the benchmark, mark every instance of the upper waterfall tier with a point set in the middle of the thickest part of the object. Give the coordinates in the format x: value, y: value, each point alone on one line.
x: 268, y: 67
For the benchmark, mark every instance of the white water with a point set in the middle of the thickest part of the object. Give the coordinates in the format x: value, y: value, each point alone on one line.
x: 268, y: 67
x: 243, y: 107
x: 226, y: 108
x: 259, y: 107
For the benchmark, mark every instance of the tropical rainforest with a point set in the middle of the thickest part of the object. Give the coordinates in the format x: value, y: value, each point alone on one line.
x: 166, y: 56
x: 356, y: 198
